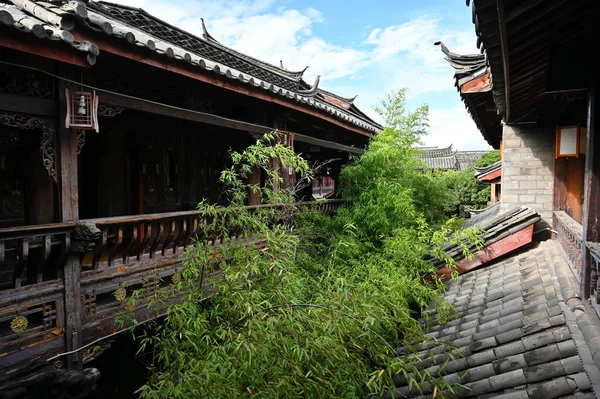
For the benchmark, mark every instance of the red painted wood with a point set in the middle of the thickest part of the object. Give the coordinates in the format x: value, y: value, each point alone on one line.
x: 44, y: 48
x: 493, y: 251
x: 477, y: 85
x: 491, y: 176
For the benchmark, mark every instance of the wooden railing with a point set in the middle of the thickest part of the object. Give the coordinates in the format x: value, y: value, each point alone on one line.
x: 570, y: 238
x: 594, y: 251
x: 117, y: 255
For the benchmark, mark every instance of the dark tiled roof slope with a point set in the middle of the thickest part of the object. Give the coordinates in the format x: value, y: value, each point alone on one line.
x: 487, y: 169
x: 516, y: 334
x: 448, y: 159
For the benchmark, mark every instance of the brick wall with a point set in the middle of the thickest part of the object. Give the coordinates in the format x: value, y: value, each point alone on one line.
x: 528, y: 168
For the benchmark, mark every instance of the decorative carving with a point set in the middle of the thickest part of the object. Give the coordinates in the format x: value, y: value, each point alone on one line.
x: 94, y: 351
x: 120, y: 294
x: 19, y: 324
x: 109, y: 111
x: 84, y: 236
x: 28, y: 122
x: 49, y: 313
x: 90, y: 303
x: 170, y: 199
x: 26, y: 83
x: 80, y: 140
x: 151, y: 199
x: 14, y: 206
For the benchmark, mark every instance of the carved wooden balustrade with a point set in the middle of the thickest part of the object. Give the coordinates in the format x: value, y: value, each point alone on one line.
x: 570, y: 238
x: 594, y: 251
x: 32, y: 289
x: 118, y: 255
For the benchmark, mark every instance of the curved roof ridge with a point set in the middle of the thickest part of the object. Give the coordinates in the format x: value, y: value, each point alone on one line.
x: 338, y: 97
x: 292, y: 75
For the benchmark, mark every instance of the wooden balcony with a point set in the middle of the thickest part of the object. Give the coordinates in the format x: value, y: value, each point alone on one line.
x: 62, y: 285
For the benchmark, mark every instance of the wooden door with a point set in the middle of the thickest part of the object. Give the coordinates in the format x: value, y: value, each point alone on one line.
x: 160, y: 183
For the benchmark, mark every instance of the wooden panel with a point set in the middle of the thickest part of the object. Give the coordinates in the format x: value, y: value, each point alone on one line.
x: 493, y: 251
x: 568, y: 186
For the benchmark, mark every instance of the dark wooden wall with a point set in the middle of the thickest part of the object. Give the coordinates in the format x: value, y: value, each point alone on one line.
x: 568, y: 186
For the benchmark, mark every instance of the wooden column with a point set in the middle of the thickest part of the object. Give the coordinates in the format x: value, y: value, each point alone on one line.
x: 591, y: 200
x: 494, y: 195
x: 254, y: 195
x: 69, y: 211
x: 67, y: 168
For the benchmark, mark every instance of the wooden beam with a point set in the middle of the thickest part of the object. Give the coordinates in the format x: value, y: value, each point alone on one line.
x: 202, y: 117
x: 27, y: 105
x: 147, y: 57
x: 591, y: 193
x: 505, y: 60
x: 44, y: 48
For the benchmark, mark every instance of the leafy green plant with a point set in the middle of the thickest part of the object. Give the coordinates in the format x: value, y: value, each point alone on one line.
x: 296, y: 304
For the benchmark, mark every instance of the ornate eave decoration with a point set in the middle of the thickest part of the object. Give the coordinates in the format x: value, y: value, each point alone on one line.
x: 109, y: 111
x: 46, y: 125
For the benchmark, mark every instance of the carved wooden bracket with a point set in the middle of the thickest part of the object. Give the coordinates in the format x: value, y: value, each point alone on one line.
x: 80, y: 140
x: 109, y: 111
x: 84, y: 237
x: 46, y: 125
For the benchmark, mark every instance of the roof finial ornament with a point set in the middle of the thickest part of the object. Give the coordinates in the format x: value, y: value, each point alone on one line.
x: 444, y: 48
x: 281, y: 64
x: 205, y: 33
x: 313, y: 90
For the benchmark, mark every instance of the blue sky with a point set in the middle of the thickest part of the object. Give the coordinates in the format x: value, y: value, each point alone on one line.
x: 359, y: 47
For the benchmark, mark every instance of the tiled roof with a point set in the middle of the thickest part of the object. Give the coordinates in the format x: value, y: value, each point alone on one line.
x: 480, y: 172
x: 466, y: 158
x: 495, y: 226
x: 448, y: 159
x: 520, y: 332
x: 140, y: 29
x: 468, y: 68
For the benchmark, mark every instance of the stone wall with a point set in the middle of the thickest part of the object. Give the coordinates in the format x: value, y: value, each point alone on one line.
x: 528, y: 169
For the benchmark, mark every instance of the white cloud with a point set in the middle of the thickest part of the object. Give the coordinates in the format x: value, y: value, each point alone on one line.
x: 454, y: 126
x: 389, y: 58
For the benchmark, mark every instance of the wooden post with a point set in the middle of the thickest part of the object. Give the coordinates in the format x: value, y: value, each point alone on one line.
x: 591, y: 199
x: 73, y: 310
x: 69, y: 210
x: 67, y: 154
x: 254, y: 178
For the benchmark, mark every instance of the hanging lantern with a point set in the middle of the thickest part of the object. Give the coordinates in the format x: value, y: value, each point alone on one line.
x: 82, y: 110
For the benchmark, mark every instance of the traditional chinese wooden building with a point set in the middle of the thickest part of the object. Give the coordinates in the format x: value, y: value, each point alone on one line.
x: 113, y: 126
x: 448, y: 159
x: 532, y: 94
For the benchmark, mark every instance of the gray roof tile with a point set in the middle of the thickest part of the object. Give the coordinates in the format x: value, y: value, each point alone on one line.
x: 513, y: 333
